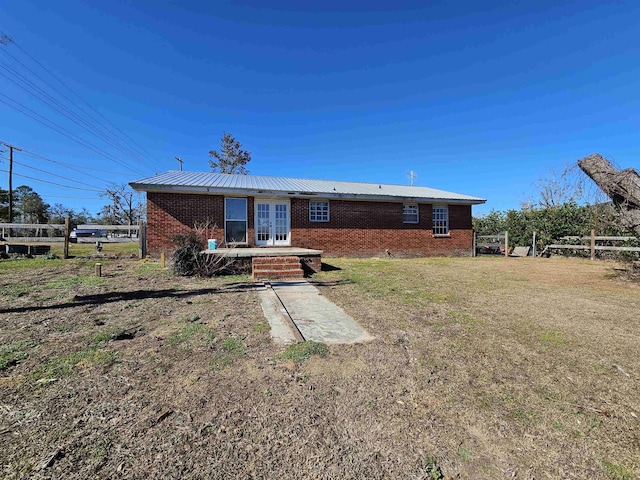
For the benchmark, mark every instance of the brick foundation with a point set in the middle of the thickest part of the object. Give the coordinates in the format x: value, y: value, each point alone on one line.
x: 357, y: 228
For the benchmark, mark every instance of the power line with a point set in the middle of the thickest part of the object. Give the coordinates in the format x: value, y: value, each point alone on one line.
x: 126, y: 138
x: 63, y: 131
x: 53, y: 183
x: 34, y: 90
x: 54, y: 174
x: 11, y: 41
x: 82, y: 99
x: 95, y: 124
x: 66, y: 165
x: 75, y: 198
x: 72, y: 167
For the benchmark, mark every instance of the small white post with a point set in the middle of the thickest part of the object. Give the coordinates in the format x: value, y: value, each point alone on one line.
x: 473, y: 251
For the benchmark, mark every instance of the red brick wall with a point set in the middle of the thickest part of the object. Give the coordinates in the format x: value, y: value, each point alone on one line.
x: 170, y: 214
x: 357, y: 228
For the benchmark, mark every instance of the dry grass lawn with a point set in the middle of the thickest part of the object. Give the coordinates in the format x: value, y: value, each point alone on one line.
x: 481, y: 368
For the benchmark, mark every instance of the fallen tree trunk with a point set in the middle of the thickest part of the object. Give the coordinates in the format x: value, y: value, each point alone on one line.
x: 623, y: 187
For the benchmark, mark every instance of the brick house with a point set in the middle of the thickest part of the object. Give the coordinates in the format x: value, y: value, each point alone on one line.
x: 339, y: 218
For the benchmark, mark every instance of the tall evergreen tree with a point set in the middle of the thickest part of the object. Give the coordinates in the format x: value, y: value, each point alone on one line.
x: 4, y: 205
x: 30, y: 207
x: 231, y: 158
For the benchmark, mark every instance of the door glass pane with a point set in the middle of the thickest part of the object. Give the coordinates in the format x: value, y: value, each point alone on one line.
x: 281, y: 227
x: 262, y: 227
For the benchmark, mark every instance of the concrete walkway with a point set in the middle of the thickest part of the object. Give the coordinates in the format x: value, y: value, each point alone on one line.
x: 296, y: 311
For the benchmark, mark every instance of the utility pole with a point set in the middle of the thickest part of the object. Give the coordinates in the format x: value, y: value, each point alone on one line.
x: 180, y: 162
x: 11, y: 149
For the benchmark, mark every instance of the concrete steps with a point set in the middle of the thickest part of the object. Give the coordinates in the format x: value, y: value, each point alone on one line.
x: 276, y: 268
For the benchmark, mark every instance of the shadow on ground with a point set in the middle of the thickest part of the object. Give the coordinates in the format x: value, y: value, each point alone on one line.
x: 332, y: 283
x: 112, y: 297
x: 325, y: 267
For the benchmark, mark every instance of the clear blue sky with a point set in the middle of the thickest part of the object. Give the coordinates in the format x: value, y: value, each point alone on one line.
x: 477, y: 97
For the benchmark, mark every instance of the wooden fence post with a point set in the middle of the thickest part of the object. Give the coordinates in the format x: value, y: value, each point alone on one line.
x: 593, y: 244
x: 98, y: 270
x: 163, y: 258
x: 142, y: 239
x: 67, y: 232
x: 506, y: 244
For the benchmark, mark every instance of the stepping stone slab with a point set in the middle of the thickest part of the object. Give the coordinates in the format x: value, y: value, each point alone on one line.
x: 316, y: 317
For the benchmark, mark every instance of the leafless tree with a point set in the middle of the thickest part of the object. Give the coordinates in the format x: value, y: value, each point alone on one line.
x: 125, y: 208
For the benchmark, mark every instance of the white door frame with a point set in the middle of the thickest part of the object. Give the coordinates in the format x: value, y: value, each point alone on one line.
x: 274, y: 230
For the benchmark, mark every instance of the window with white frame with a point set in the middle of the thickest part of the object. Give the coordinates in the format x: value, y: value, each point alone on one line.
x: 319, y: 211
x: 440, y: 220
x: 410, y: 213
x: 235, y: 220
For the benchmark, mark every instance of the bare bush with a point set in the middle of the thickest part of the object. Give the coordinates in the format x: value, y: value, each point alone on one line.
x: 190, y: 260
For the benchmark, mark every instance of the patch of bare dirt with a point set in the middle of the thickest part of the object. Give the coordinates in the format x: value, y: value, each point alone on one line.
x: 496, y: 368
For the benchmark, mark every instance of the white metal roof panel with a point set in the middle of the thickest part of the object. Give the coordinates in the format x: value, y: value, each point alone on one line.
x: 209, y: 182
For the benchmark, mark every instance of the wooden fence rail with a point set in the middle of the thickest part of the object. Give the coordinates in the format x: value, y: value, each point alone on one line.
x: 503, y: 238
x: 48, y: 226
x: 109, y: 228
x: 598, y: 237
x: 597, y: 247
x: 593, y: 238
x: 139, y: 229
x: 7, y: 227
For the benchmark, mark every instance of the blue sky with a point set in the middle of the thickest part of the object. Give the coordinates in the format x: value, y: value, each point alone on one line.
x: 482, y: 98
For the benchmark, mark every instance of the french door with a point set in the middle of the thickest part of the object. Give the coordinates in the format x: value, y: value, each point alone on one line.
x: 273, y: 223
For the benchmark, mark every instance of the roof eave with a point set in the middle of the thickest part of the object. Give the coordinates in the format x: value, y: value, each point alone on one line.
x: 142, y: 187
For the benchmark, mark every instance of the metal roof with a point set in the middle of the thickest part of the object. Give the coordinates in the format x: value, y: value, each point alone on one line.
x: 208, y: 182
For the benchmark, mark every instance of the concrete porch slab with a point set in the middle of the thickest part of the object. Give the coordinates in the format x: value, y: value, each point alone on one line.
x: 241, y: 252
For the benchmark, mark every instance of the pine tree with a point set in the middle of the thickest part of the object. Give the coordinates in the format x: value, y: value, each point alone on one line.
x: 231, y: 158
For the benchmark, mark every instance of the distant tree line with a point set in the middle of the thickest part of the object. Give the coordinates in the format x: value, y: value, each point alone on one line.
x: 29, y: 207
